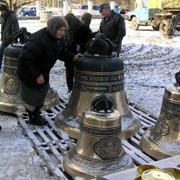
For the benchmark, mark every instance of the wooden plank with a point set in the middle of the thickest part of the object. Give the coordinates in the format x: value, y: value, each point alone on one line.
x: 52, y: 143
x: 33, y: 138
x: 56, y: 153
x: 43, y: 136
x: 51, y: 165
x: 136, y: 154
x: 144, y: 113
x: 146, y: 120
x: 51, y: 134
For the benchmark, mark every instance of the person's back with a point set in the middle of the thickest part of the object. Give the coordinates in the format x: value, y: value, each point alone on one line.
x: 77, y: 36
x: 80, y: 32
x: 37, y: 57
x: 9, y: 26
x: 86, y: 18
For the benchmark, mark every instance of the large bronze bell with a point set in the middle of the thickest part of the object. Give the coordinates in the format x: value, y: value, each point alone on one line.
x: 99, y: 150
x: 163, y: 139
x: 98, y: 72
x: 10, y: 100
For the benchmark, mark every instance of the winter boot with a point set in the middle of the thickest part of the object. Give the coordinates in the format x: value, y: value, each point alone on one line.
x: 35, y: 118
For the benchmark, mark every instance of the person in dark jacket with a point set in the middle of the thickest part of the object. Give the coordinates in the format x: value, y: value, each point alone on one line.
x: 9, y: 26
x: 78, y: 35
x: 113, y: 26
x: 35, y: 61
x: 86, y: 18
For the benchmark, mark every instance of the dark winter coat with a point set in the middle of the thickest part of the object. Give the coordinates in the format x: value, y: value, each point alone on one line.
x: 113, y: 27
x: 9, y: 26
x: 38, y: 56
x: 78, y: 34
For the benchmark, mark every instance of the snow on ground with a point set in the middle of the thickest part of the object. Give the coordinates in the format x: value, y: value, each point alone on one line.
x: 151, y: 62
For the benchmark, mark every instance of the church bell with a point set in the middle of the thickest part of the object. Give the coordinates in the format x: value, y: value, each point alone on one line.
x: 98, y: 72
x: 10, y: 100
x: 163, y: 139
x: 99, y: 150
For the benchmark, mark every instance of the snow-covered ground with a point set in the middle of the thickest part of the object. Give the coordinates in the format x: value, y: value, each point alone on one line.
x: 151, y: 62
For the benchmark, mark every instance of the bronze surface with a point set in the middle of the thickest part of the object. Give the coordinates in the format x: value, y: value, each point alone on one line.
x: 99, y: 150
x: 10, y: 100
x: 163, y: 139
x: 90, y: 84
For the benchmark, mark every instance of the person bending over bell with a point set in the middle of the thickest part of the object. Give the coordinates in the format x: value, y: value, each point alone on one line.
x: 35, y: 61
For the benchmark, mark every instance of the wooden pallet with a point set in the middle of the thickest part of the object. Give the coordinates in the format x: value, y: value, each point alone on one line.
x: 52, y: 143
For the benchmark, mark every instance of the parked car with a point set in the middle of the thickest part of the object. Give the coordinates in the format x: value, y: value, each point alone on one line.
x: 21, y: 10
x: 29, y: 11
x: 84, y: 8
x: 124, y: 11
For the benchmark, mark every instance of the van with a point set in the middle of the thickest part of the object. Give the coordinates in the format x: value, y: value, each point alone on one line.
x: 21, y: 10
x: 84, y: 8
x: 29, y: 10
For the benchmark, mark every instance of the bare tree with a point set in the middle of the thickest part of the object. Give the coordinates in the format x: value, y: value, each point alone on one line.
x: 14, y: 4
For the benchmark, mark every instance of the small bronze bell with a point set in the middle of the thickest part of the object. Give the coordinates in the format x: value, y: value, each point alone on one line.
x: 98, y: 72
x: 99, y: 150
x: 10, y: 100
x: 163, y: 139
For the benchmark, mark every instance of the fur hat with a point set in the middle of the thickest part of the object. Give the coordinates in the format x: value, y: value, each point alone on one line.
x: 54, y: 24
x: 3, y: 7
x: 104, y: 6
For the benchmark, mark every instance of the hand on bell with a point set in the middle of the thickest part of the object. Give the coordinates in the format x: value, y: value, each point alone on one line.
x: 40, y: 79
x: 77, y: 56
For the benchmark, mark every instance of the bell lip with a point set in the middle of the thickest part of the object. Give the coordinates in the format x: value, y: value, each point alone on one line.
x: 152, y: 149
x: 159, y: 171
x: 79, y: 169
x: 143, y: 168
x: 174, y: 171
x: 11, y: 107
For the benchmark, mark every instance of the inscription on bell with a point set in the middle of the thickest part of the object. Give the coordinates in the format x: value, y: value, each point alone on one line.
x: 10, y: 62
x: 99, y: 131
x: 100, y: 77
x: 99, y: 88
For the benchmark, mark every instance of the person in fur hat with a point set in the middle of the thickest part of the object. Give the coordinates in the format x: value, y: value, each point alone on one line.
x: 9, y: 26
x: 35, y: 61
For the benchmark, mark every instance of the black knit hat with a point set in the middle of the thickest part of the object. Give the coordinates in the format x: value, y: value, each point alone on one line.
x: 54, y: 24
x: 3, y: 7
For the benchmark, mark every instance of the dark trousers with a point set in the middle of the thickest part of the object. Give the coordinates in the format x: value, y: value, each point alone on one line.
x: 33, y: 97
x: 69, y: 65
x: 118, y: 48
